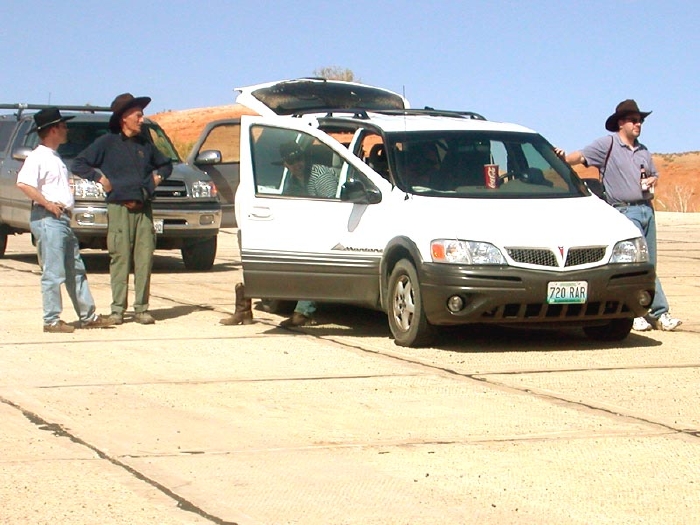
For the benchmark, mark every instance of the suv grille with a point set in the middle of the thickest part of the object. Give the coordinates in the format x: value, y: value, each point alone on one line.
x: 544, y: 257
x: 175, y: 189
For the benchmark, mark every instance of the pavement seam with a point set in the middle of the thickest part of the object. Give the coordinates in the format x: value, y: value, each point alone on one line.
x: 59, y: 431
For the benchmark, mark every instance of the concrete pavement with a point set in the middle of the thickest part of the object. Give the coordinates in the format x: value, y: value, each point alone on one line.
x: 188, y: 421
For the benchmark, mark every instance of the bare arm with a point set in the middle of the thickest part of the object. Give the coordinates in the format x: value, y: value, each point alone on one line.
x: 36, y: 196
x: 572, y: 158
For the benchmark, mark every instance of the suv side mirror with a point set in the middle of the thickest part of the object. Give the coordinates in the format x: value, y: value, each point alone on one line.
x: 21, y: 153
x: 208, y: 157
x: 354, y: 191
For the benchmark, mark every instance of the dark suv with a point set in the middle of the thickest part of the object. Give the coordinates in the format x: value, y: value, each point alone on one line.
x: 186, y: 209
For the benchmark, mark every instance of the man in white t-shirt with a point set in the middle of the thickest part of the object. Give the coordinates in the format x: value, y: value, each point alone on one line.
x: 44, y: 179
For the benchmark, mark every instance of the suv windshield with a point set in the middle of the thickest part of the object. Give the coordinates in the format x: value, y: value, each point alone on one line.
x: 82, y: 133
x: 480, y: 164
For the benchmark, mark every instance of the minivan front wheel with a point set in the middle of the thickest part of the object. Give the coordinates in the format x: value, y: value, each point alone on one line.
x: 407, y: 320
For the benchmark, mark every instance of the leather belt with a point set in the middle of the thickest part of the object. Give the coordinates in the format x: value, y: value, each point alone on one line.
x: 67, y: 212
x: 625, y: 204
x: 130, y: 205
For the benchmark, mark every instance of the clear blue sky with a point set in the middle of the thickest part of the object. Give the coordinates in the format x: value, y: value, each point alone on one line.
x: 559, y: 67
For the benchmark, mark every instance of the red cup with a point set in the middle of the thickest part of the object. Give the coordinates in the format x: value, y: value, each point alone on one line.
x: 491, y: 176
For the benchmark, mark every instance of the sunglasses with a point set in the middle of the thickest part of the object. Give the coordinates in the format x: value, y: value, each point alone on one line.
x: 635, y: 120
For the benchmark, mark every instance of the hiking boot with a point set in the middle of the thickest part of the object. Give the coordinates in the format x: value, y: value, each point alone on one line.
x: 667, y: 323
x: 144, y: 318
x: 99, y: 321
x: 298, y: 319
x: 641, y: 325
x: 59, y: 327
x: 116, y: 319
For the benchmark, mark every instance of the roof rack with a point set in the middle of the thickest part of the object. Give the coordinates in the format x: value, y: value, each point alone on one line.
x: 364, y: 113
x: 22, y: 107
x: 432, y: 112
x: 331, y: 112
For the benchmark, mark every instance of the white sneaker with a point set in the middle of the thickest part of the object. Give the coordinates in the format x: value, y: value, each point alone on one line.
x: 667, y: 323
x: 641, y: 325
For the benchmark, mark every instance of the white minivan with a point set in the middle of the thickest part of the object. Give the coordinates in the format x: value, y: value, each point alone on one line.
x: 435, y: 217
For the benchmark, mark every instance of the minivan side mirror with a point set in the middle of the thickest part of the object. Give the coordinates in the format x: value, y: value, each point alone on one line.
x: 208, y: 157
x: 595, y: 187
x: 354, y: 190
x: 21, y: 153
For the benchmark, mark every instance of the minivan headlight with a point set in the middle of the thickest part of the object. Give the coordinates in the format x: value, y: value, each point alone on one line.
x: 465, y: 252
x: 630, y: 251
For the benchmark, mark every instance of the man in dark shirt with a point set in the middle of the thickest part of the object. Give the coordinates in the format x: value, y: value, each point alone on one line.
x: 129, y: 167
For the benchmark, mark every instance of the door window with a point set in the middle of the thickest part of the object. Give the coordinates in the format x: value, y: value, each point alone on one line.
x: 291, y: 163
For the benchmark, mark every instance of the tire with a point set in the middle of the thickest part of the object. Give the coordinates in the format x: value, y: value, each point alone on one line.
x: 407, y: 320
x: 199, y: 254
x: 3, y: 243
x: 615, y: 330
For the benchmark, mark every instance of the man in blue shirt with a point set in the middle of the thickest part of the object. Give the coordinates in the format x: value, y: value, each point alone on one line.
x: 129, y: 167
x: 629, y: 177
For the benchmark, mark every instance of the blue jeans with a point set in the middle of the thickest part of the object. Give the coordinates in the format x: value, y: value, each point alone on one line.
x: 59, y: 257
x: 306, y: 308
x: 643, y: 218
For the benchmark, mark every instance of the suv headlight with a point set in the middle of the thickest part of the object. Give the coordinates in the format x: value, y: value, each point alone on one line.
x: 87, y: 189
x: 465, y: 252
x: 203, y: 189
x: 630, y: 251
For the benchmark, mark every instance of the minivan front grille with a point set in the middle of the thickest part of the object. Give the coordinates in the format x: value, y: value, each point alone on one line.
x: 539, y: 257
x: 547, y: 258
x: 520, y: 312
x: 577, y: 256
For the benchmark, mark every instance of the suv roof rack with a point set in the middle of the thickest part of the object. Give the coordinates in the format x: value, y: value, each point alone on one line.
x: 22, y: 106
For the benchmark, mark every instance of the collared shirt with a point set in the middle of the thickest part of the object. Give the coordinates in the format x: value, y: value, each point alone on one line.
x: 128, y: 163
x: 44, y: 170
x: 622, y: 171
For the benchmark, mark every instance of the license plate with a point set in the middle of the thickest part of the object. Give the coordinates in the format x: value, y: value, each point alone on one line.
x: 158, y: 225
x: 567, y: 292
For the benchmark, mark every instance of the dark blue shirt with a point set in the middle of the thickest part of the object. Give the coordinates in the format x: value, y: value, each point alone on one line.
x: 128, y: 163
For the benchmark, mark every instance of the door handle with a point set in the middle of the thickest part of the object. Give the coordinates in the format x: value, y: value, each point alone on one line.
x: 260, y: 213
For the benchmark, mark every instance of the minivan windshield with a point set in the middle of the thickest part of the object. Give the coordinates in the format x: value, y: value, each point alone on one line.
x: 486, y: 164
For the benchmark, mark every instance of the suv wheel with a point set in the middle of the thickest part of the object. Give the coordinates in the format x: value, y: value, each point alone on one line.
x: 199, y: 254
x: 407, y: 318
x: 615, y: 330
x: 3, y: 243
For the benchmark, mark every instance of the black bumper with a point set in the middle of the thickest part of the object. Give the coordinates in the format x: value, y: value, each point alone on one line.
x: 506, y: 295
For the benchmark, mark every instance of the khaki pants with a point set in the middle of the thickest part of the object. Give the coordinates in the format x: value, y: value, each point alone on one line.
x: 130, y: 236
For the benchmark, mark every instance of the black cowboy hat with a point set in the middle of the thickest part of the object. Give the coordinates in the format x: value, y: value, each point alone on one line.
x: 122, y: 103
x: 47, y: 117
x: 624, y: 108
